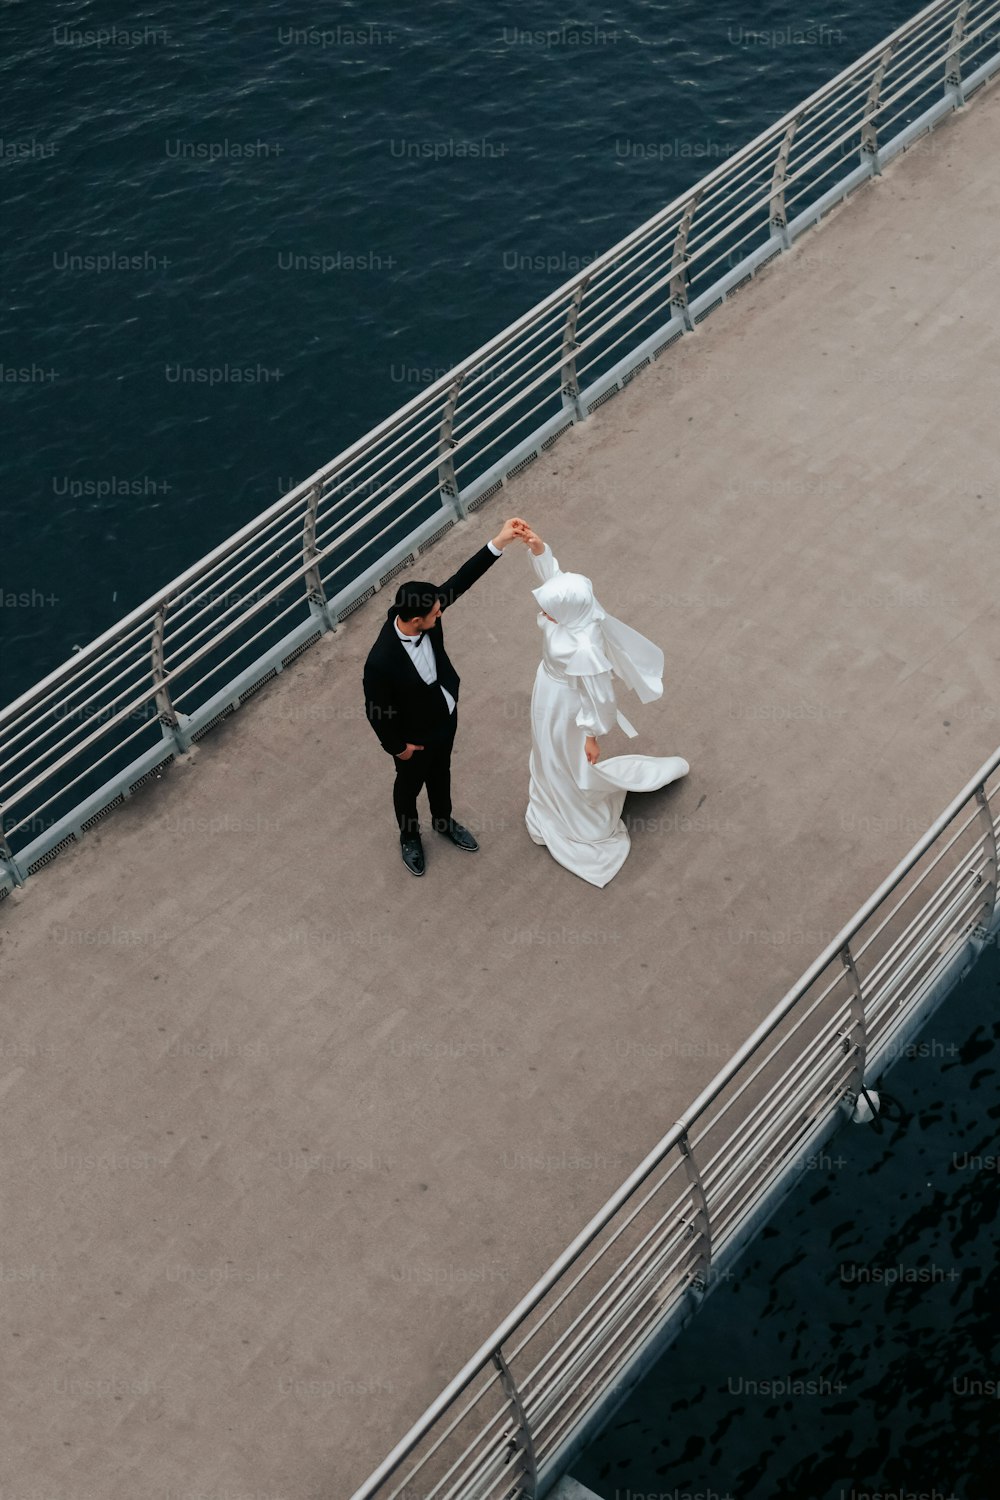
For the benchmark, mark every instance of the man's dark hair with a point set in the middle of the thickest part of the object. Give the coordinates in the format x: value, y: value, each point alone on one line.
x: 415, y: 599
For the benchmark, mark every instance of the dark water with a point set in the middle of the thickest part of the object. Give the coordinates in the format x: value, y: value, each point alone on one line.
x: 163, y: 166
x: 870, y: 1304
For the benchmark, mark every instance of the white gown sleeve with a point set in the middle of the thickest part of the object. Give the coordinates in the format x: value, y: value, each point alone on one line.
x: 544, y: 564
x: 597, y: 713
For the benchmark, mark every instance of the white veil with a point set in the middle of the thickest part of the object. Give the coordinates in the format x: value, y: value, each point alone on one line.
x: 585, y: 639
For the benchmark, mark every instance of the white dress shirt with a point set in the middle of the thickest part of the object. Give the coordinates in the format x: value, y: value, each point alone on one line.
x: 422, y: 652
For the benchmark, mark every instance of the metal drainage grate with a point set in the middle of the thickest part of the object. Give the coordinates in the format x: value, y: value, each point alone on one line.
x: 667, y: 342
x: 5, y: 891
x: 601, y: 399
x: 201, y: 733
x: 633, y: 373
x: 56, y: 849
x: 97, y: 816
x: 522, y: 465
x: 557, y: 434
x: 768, y: 258
x: 155, y: 772
x: 303, y: 646
x: 361, y: 599
x: 274, y: 671
x: 486, y: 495
x: 742, y: 282
x: 436, y: 537
x: 710, y: 309
x: 406, y: 563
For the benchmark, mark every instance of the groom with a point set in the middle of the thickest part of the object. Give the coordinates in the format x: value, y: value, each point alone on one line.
x: 411, y: 698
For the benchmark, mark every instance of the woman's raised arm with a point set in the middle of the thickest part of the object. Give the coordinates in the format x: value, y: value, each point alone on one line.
x: 542, y: 560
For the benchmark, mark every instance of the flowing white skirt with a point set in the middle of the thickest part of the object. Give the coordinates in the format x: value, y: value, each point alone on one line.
x: 574, y: 808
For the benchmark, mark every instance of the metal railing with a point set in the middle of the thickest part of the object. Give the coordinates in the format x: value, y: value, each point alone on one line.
x: 120, y: 710
x: 512, y: 1421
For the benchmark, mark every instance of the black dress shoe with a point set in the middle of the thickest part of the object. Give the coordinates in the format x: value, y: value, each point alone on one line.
x: 460, y: 837
x: 413, y: 855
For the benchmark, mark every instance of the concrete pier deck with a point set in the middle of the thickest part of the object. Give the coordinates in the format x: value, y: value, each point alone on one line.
x: 287, y: 1132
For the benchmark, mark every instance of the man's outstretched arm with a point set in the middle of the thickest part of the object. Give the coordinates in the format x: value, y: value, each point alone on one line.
x: 479, y: 563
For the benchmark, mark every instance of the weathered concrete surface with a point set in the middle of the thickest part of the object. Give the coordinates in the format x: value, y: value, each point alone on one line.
x: 286, y: 1131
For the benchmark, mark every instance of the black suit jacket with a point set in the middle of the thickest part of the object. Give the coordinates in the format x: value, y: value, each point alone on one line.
x: 402, y: 708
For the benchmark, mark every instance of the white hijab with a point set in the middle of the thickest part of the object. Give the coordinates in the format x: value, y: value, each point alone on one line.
x: 585, y: 640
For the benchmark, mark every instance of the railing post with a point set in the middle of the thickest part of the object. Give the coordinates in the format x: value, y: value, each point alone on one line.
x: 447, y: 481
x: 953, y: 64
x: 678, y: 277
x: 166, y: 712
x: 983, y: 927
x: 521, y: 1439
x: 702, y: 1225
x: 7, y: 860
x: 776, y: 208
x: 858, y: 1024
x: 319, y: 605
x: 164, y: 706
x: 869, y: 131
x: 570, y: 385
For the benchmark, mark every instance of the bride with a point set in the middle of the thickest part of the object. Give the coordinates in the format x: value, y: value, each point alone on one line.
x: 575, y: 800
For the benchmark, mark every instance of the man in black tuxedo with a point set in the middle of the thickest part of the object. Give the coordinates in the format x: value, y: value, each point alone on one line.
x: 411, y: 698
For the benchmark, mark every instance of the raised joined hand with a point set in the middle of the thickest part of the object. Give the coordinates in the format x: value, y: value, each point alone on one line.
x: 524, y: 533
x: 510, y: 531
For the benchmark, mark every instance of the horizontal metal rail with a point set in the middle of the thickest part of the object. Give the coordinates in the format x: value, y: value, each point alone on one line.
x: 131, y: 701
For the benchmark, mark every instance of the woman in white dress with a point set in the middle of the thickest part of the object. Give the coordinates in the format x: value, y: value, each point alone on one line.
x: 575, y: 800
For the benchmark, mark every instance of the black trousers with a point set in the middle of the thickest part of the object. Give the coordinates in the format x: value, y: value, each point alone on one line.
x: 430, y: 768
